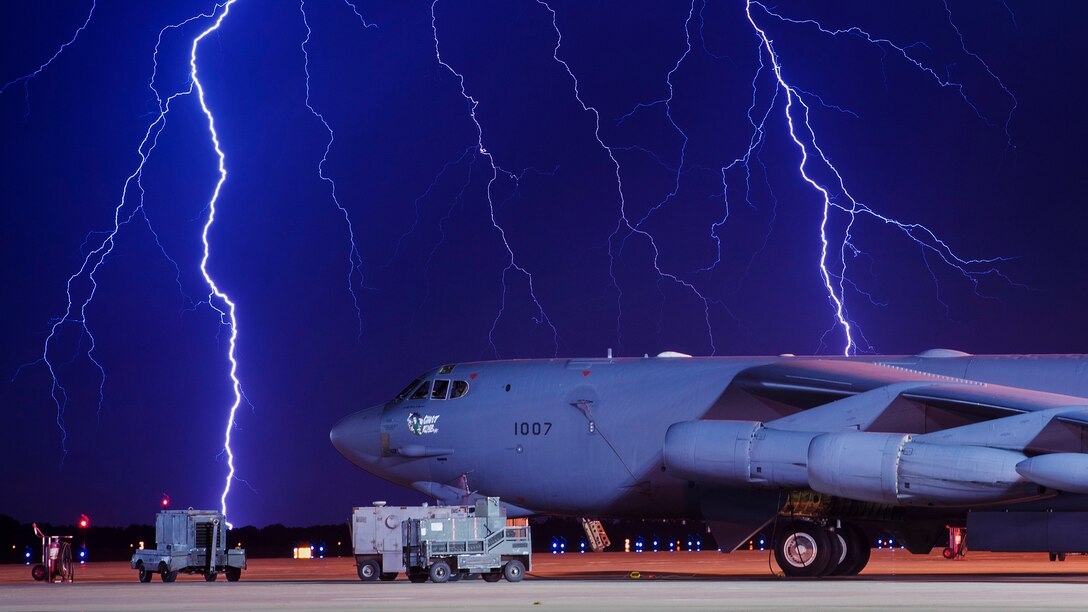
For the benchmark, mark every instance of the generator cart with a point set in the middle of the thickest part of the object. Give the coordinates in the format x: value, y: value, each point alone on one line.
x: 477, y: 543
x: 377, y: 535
x: 190, y: 542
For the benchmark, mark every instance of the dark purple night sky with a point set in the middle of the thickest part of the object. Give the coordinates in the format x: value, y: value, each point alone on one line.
x: 409, y: 174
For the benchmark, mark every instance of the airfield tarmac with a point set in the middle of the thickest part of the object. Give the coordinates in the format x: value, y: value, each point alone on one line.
x: 701, y: 581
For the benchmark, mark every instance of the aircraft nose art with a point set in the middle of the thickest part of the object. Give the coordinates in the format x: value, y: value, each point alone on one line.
x: 356, y: 436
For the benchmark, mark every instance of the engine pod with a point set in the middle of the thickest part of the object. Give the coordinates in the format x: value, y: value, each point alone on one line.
x: 1061, y: 471
x: 856, y: 465
x: 894, y: 469
x: 741, y: 453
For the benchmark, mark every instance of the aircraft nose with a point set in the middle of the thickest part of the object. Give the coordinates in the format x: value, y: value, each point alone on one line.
x: 357, y: 436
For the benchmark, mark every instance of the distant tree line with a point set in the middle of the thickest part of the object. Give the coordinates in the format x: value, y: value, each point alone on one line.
x: 117, y: 543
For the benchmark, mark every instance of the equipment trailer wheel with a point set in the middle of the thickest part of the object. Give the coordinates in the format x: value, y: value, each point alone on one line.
x: 169, y: 576
x: 803, y: 549
x: 39, y: 573
x: 416, y: 576
x: 144, y: 574
x: 387, y: 576
x: 233, y: 574
x: 369, y: 570
x: 439, y: 572
x: 210, y: 577
x: 67, y: 568
x: 491, y: 576
x: 513, y: 571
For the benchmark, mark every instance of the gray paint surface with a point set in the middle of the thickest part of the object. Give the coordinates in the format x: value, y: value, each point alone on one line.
x: 587, y: 437
x: 921, y: 593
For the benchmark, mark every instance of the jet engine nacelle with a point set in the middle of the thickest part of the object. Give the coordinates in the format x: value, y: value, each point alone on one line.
x: 737, y: 453
x: 895, y: 469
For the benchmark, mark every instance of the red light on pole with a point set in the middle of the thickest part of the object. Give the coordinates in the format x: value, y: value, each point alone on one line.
x: 165, y: 500
x: 84, y: 521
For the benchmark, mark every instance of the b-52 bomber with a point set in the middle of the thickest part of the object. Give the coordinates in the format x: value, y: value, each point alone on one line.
x: 821, y: 452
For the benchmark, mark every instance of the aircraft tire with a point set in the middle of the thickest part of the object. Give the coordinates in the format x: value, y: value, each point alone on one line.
x: 439, y: 572
x: 368, y: 570
x: 840, y: 562
x: 513, y: 571
x: 803, y: 549
x: 858, y: 550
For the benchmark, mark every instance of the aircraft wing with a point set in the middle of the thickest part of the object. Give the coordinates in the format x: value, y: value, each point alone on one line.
x: 873, y: 432
x: 892, y: 436
x: 884, y: 398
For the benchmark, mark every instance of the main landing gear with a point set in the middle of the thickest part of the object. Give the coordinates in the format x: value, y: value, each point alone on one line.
x: 805, y: 548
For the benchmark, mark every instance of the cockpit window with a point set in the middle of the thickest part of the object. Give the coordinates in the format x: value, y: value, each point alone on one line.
x: 460, y: 388
x: 441, y: 388
x: 404, y: 393
x: 422, y: 391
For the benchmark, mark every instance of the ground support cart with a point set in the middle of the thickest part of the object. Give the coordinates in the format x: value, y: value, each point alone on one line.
x: 190, y: 542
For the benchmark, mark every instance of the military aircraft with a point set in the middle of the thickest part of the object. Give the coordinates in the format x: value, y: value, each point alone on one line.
x: 821, y: 452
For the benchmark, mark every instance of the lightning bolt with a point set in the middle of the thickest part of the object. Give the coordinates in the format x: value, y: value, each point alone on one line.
x: 26, y: 78
x: 783, y: 96
x: 834, y: 194
x: 124, y: 213
x: 227, y: 308
x: 76, y: 310
x: 512, y: 266
x: 625, y: 229
x: 355, y: 259
x: 904, y: 52
x: 794, y: 104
